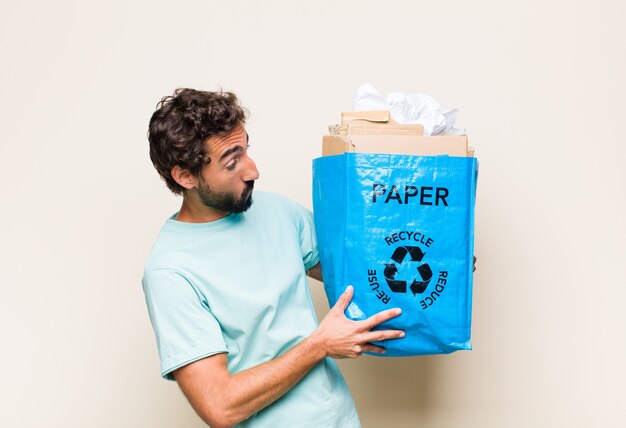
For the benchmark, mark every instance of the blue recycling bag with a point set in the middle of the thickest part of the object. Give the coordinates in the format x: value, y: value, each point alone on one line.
x: 400, y: 230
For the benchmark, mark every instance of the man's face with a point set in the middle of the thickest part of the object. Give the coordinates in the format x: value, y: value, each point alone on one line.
x: 226, y: 182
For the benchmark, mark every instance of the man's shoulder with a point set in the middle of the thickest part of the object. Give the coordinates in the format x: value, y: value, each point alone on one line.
x: 168, y: 243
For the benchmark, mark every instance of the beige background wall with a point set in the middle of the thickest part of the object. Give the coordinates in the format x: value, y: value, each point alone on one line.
x: 540, y: 86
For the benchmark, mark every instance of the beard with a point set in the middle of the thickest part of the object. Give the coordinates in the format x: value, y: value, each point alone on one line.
x: 226, y: 201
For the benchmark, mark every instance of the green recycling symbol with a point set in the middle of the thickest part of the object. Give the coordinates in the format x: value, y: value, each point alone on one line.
x: 421, y: 279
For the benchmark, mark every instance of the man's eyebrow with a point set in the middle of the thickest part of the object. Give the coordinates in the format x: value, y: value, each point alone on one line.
x: 230, y: 151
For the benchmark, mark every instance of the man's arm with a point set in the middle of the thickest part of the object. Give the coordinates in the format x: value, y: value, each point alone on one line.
x: 223, y: 399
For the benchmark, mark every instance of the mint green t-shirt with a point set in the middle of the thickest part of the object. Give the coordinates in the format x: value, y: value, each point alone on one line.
x: 238, y: 286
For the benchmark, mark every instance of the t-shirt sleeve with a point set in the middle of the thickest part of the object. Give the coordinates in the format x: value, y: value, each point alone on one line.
x: 308, y: 240
x: 185, y: 328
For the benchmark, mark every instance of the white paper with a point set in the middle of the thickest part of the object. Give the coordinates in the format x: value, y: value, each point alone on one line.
x: 409, y: 109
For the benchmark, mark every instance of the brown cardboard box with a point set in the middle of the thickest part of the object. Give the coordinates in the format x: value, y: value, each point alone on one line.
x: 452, y: 145
x: 376, y: 132
x: 372, y: 122
x: 365, y: 117
x: 385, y: 129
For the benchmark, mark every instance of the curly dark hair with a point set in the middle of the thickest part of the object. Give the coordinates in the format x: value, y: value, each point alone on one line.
x: 181, y: 125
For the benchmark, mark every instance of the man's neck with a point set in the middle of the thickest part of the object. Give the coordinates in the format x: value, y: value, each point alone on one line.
x: 194, y: 211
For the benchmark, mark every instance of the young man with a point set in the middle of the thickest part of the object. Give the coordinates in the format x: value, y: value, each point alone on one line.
x: 226, y: 288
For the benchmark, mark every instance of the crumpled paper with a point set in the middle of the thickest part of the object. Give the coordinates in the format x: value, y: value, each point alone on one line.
x: 409, y: 109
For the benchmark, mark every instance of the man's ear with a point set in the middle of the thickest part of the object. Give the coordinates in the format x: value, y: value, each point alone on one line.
x: 184, y: 177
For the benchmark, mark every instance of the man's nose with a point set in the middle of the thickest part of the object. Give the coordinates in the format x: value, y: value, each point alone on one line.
x: 251, y: 173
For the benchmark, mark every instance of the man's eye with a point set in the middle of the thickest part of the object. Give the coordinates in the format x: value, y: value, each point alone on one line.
x: 231, y: 165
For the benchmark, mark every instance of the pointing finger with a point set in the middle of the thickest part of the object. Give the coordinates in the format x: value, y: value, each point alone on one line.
x: 381, y: 317
x: 344, y: 299
x: 380, y: 335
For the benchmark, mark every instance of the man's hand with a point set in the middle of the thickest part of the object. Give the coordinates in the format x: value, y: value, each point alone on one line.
x: 339, y: 337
